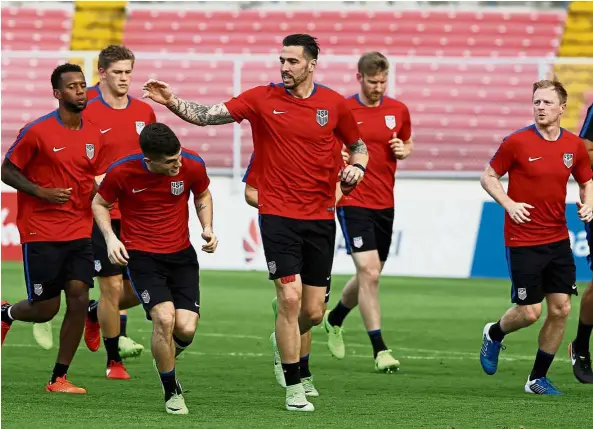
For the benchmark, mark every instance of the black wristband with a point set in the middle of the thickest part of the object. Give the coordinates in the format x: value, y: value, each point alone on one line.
x: 359, y: 166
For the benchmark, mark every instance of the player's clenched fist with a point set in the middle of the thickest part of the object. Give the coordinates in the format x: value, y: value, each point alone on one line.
x: 116, y: 251
x: 157, y: 91
x: 211, y: 240
x: 398, y: 147
x: 54, y: 195
x: 352, y: 174
x: 585, y: 212
x: 519, y: 213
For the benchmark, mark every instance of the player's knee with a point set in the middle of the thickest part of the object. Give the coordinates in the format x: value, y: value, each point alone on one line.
x: 111, y: 288
x: 48, y: 309
x: 369, y: 273
x: 163, y: 317
x: 289, y: 303
x: 531, y: 313
x: 559, y: 310
x: 185, y: 333
x: 314, y: 314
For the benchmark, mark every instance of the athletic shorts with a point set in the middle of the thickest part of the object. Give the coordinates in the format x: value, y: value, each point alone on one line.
x: 539, y: 270
x: 294, y: 246
x: 367, y: 229
x: 49, y: 265
x: 590, y: 243
x: 166, y: 277
x: 103, y: 266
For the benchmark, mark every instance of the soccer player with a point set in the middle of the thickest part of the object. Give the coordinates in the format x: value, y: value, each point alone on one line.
x: 153, y: 190
x: 539, y: 160
x: 120, y: 118
x: 366, y: 214
x: 299, y: 124
x: 579, y: 348
x: 250, y: 180
x: 53, y: 164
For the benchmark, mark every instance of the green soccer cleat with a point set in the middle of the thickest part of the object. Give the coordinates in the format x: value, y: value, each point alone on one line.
x: 309, y: 387
x: 278, y: 371
x: 176, y: 405
x: 129, y: 348
x: 335, y: 342
x: 43, y: 335
x: 384, y: 362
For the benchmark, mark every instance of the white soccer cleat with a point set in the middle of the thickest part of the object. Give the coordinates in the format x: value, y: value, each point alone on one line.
x: 176, y: 405
x: 43, y: 335
x: 309, y: 387
x: 296, y: 399
x: 278, y: 371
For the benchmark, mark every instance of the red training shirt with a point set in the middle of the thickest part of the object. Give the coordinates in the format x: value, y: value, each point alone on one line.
x: 377, y: 125
x: 120, y: 128
x: 538, y: 174
x: 92, y: 92
x: 154, y: 207
x: 53, y: 156
x: 296, y: 140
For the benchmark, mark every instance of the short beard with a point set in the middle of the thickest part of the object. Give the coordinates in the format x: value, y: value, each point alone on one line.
x: 72, y: 107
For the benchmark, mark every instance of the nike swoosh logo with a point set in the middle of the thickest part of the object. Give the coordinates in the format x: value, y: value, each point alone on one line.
x: 104, y: 131
x: 297, y: 405
x: 135, y: 191
x: 174, y: 409
x: 278, y: 112
x: 359, y: 122
x: 57, y: 150
x: 534, y: 159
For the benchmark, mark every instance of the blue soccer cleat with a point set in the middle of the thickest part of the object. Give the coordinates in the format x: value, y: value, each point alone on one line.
x: 541, y: 386
x: 489, y: 352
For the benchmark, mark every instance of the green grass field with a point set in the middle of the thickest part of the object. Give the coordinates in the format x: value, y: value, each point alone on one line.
x: 433, y: 325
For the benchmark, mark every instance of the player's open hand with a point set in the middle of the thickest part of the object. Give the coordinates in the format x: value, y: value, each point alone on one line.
x: 211, y: 240
x: 585, y: 212
x: 519, y: 213
x: 55, y: 195
x: 157, y: 91
x: 117, y: 252
x: 397, y: 147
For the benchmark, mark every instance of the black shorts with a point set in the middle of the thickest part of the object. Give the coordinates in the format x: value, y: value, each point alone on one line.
x: 539, y: 270
x: 49, y: 265
x: 589, y: 242
x: 166, y: 277
x: 367, y: 229
x: 103, y: 266
x: 294, y: 246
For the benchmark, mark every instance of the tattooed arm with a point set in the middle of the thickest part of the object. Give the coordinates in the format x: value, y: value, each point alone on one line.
x: 358, y: 153
x: 203, y: 203
x: 194, y: 113
x: 199, y: 114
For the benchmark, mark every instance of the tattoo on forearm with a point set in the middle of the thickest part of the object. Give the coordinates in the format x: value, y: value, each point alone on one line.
x: 12, y: 176
x: 200, y: 114
x: 358, y: 147
x: 200, y: 207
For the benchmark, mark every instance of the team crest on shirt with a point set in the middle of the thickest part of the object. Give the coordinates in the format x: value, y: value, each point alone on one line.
x: 140, y: 126
x: 567, y: 158
x: 322, y: 117
x: 357, y: 241
x: 390, y: 121
x: 90, y: 150
x: 177, y: 188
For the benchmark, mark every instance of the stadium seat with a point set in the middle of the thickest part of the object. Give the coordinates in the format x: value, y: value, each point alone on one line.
x: 460, y: 112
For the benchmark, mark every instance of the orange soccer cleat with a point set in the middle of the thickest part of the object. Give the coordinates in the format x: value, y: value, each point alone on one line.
x: 61, y: 385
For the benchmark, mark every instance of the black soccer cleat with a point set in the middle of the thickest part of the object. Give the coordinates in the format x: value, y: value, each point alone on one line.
x: 581, y: 365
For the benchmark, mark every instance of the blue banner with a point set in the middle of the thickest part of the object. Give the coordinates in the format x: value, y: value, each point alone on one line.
x: 489, y: 254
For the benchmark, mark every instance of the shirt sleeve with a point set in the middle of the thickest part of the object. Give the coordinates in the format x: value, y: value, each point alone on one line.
x: 346, y: 128
x: 582, y: 169
x: 201, y: 180
x: 102, y: 161
x: 110, y: 188
x: 24, y: 149
x: 251, y: 174
x: 244, y: 106
x: 504, y: 157
x: 405, y: 132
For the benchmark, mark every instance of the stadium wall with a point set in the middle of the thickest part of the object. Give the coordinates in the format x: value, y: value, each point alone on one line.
x: 444, y: 228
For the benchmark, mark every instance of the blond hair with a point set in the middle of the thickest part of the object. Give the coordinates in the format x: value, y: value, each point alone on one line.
x: 372, y: 63
x: 556, y: 85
